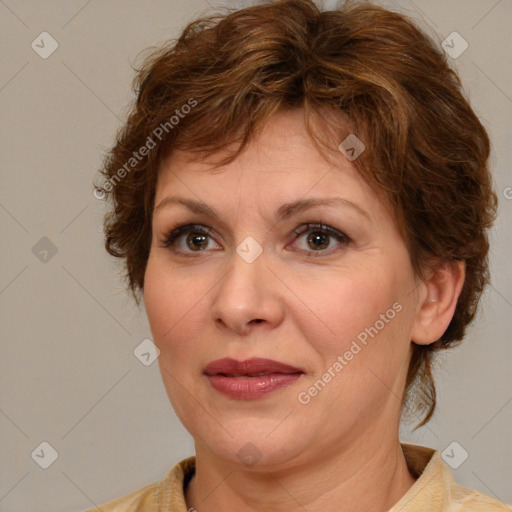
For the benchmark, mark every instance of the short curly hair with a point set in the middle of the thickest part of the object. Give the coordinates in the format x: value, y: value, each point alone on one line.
x: 227, y: 74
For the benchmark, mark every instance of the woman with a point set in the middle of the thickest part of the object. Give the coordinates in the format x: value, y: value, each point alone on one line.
x: 302, y: 201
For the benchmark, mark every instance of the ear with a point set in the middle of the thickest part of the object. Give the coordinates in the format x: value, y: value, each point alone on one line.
x: 437, y: 301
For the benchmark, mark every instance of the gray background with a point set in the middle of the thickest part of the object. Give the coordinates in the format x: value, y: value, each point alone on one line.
x: 68, y: 374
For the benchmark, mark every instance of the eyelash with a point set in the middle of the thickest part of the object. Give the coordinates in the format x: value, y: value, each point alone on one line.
x: 170, y: 239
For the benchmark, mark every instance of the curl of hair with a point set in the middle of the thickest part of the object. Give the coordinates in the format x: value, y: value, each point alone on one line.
x: 426, y: 151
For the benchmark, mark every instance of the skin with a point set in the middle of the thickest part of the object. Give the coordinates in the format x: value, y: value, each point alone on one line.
x: 296, y: 304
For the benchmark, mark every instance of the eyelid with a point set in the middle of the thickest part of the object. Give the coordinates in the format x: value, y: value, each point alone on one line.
x: 321, y: 227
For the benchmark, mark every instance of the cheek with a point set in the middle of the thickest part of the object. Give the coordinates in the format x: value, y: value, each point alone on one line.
x: 174, y: 303
x: 344, y: 304
x: 363, y: 317
x: 176, y: 312
x: 359, y: 337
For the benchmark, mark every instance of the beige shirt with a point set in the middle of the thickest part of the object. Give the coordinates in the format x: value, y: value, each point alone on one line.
x: 433, y: 491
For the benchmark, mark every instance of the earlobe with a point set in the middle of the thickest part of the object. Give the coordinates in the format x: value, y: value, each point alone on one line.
x: 441, y: 292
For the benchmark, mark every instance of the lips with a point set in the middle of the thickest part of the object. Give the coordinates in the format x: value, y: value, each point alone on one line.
x: 249, y: 368
x: 250, y: 379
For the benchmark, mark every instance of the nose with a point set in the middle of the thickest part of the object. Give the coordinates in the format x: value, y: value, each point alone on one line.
x: 247, y: 298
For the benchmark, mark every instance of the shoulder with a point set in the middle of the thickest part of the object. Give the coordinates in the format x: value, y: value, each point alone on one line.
x: 435, y: 488
x: 167, y: 495
x: 469, y: 500
x: 142, y: 500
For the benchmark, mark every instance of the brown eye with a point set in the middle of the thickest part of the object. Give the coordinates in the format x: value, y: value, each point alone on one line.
x: 318, y: 240
x: 197, y: 241
x: 190, y: 238
x: 321, y: 239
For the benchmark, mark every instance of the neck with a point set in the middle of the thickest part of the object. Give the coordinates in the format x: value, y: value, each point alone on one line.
x: 363, y: 478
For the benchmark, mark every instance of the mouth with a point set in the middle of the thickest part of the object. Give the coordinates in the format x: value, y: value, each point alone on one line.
x: 250, y: 379
x: 255, y: 367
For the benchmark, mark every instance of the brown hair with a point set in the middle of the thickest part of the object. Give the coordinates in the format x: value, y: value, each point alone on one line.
x: 226, y: 75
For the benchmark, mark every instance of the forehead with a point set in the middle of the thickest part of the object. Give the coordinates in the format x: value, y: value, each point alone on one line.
x: 280, y: 164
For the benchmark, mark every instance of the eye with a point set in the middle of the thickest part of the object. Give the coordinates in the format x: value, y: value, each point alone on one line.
x: 320, y: 237
x: 198, y: 239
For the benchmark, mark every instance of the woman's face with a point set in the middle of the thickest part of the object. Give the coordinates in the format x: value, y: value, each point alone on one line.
x: 301, y: 265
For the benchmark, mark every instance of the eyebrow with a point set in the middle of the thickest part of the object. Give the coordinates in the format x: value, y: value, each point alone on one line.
x: 285, y: 211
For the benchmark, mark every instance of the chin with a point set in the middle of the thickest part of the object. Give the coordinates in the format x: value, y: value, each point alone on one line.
x: 254, y: 443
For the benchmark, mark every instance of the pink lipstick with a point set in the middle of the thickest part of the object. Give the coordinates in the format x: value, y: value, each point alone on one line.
x: 251, y: 378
